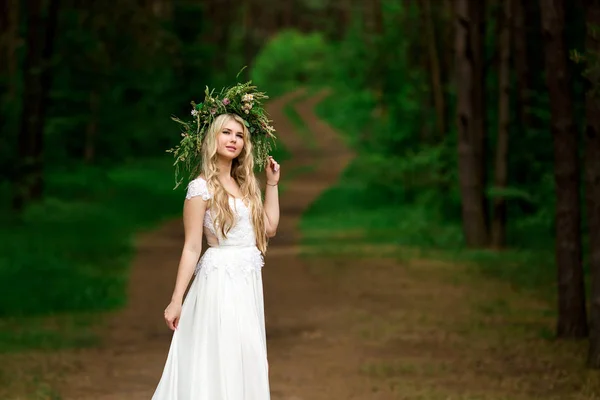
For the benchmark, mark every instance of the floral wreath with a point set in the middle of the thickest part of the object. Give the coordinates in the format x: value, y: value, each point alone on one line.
x: 241, y: 99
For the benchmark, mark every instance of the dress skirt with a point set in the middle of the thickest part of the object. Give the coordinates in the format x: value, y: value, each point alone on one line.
x: 219, y: 351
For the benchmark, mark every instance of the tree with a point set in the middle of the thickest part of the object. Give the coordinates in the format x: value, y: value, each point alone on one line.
x: 9, y: 35
x: 28, y: 184
x: 471, y: 121
x: 501, y: 168
x: 437, y: 87
x: 522, y: 69
x: 592, y: 170
x: 572, y: 322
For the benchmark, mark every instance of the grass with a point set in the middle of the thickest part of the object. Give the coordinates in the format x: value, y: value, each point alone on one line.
x: 71, y: 251
x: 69, y: 254
x: 346, y: 221
x: 72, y: 330
x: 358, y: 214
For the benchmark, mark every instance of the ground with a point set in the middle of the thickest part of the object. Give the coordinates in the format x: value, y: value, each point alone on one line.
x: 374, y: 324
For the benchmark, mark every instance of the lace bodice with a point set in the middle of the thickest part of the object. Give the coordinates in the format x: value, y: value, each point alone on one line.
x: 242, y: 232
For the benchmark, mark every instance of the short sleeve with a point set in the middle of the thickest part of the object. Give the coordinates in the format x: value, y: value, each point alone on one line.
x: 198, y: 187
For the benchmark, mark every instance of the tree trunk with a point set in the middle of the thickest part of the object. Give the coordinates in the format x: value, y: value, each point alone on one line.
x: 479, y: 136
x: 4, y: 39
x: 592, y: 177
x: 522, y: 66
x: 501, y: 169
x: 470, y: 134
x: 9, y: 36
x: 435, y: 69
x: 572, y: 322
x: 31, y: 104
x: 37, y: 189
x: 447, y: 51
x: 40, y: 35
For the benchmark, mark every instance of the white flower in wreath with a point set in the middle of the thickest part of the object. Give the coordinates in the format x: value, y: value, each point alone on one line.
x: 194, y: 112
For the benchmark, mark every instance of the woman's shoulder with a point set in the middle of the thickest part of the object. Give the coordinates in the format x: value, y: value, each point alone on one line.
x: 198, y: 187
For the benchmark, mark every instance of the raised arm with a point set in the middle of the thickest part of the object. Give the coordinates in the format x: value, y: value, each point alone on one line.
x: 272, y: 197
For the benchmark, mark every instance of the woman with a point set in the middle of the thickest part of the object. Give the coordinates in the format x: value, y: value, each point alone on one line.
x: 218, y: 350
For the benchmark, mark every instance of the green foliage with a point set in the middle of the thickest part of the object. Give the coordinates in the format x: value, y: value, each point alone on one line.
x: 71, y: 251
x: 289, y: 59
x: 111, y: 80
x: 402, y: 188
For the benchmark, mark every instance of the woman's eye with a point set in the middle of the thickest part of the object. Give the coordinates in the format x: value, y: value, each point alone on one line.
x: 240, y: 136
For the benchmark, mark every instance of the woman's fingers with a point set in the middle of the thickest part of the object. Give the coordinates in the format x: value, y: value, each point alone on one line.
x: 171, y: 324
x: 272, y: 164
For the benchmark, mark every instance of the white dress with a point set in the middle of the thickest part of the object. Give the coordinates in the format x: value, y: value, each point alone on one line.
x: 219, y: 351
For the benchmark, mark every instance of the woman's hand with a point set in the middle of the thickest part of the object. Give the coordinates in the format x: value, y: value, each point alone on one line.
x: 172, y: 313
x: 273, y: 171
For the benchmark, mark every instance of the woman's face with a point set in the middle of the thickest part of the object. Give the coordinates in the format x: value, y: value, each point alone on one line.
x: 230, y: 140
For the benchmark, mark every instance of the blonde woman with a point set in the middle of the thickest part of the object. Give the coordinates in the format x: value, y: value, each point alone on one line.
x: 218, y: 350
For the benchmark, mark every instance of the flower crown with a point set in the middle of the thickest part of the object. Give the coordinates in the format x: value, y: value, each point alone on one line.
x: 241, y: 99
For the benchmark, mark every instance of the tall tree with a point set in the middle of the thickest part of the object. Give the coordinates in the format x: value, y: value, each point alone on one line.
x: 479, y: 136
x: 9, y: 68
x: 28, y: 184
x: 471, y: 126
x: 501, y: 167
x: 523, y: 74
x: 9, y: 37
x: 592, y: 170
x: 435, y: 73
x: 572, y: 320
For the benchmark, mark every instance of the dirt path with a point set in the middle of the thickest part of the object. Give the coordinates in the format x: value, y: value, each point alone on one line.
x: 359, y: 327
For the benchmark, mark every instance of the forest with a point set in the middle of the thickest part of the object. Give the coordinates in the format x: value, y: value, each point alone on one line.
x: 475, y: 124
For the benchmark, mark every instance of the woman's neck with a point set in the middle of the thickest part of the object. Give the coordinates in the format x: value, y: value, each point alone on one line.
x: 224, y: 169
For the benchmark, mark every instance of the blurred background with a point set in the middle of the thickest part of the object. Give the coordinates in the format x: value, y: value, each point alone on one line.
x: 474, y: 125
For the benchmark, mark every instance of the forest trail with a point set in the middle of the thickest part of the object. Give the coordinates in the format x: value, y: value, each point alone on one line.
x: 341, y: 328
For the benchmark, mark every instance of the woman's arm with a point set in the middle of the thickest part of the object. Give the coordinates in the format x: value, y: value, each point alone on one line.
x: 272, y: 198
x: 271, y: 209
x: 193, y: 220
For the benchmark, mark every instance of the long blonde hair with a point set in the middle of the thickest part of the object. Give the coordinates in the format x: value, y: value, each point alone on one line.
x: 242, y: 171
